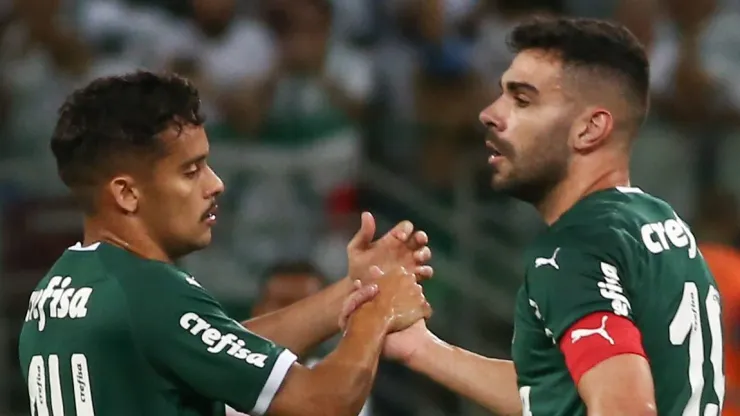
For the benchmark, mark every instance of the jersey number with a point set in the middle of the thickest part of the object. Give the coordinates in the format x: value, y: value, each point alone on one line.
x: 37, y: 386
x: 687, y: 324
x: 524, y: 396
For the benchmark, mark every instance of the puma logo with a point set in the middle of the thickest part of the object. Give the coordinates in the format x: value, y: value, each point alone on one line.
x: 586, y: 332
x: 541, y: 261
x: 192, y: 281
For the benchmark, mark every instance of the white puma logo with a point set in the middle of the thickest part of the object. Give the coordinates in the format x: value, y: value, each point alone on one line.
x: 192, y: 281
x: 582, y: 333
x: 541, y: 261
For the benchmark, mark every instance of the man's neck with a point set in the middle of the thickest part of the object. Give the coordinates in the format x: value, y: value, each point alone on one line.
x: 568, y: 192
x: 125, y: 236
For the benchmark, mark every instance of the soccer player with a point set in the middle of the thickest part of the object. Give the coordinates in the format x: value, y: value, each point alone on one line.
x: 618, y: 313
x: 115, y: 328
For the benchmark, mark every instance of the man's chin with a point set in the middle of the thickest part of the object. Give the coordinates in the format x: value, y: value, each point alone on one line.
x: 197, y: 244
x: 205, y: 240
x: 499, y: 183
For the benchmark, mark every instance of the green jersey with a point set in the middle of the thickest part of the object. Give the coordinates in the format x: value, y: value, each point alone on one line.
x: 110, y: 333
x: 624, y: 252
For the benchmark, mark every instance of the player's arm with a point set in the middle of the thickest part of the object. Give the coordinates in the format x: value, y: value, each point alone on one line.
x: 464, y: 372
x: 188, y: 337
x: 620, y: 385
x: 340, y: 384
x: 307, y: 323
x: 487, y: 381
x: 612, y: 378
x: 304, y: 324
x: 585, y: 306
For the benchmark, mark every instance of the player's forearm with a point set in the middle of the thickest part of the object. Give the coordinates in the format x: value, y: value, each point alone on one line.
x: 304, y: 324
x: 352, y: 367
x: 470, y: 375
x: 340, y: 384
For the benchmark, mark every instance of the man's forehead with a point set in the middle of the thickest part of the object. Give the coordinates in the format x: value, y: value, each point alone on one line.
x: 185, y: 141
x: 539, y: 68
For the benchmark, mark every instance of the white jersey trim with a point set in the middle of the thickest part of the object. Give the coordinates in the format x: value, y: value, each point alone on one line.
x: 284, y: 361
x: 629, y: 190
x: 80, y: 247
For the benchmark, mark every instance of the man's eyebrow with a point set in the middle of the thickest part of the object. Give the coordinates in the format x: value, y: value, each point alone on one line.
x: 518, y: 86
x: 194, y: 160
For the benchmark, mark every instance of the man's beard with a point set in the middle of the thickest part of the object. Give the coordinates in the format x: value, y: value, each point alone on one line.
x: 533, y: 189
x: 532, y: 182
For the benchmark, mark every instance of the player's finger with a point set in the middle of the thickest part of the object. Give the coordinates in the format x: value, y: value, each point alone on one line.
x: 360, y: 296
x: 365, y: 234
x: 418, y: 240
x: 356, y: 299
x: 428, y: 311
x: 423, y: 255
x: 423, y: 273
x: 401, y: 232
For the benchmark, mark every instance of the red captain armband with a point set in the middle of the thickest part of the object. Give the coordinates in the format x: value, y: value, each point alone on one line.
x: 597, y: 337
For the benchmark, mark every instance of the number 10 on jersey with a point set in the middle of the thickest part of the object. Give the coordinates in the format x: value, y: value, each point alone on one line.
x: 37, y: 382
x: 686, y: 324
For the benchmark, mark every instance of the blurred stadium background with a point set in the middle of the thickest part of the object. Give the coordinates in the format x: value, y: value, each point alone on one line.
x: 321, y: 108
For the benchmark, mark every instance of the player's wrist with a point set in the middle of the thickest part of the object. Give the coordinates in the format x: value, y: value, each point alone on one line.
x: 429, y: 349
x: 370, y: 317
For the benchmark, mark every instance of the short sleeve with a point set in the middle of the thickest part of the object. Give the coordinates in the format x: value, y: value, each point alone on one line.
x: 185, y: 333
x: 570, y: 281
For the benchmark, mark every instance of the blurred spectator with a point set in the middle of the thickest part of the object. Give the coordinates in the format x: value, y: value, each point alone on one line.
x: 216, y: 48
x: 663, y: 151
x: 287, y: 283
x: 446, y: 125
x: 717, y: 229
x: 41, y: 60
x: 491, y: 55
x: 309, y: 109
x: 318, y: 87
x: 354, y: 21
x: 436, y: 34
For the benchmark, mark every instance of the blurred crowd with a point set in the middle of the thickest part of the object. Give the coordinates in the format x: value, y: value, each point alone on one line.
x: 320, y: 108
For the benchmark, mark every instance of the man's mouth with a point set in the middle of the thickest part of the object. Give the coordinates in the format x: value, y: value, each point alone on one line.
x: 210, y: 215
x: 495, y: 153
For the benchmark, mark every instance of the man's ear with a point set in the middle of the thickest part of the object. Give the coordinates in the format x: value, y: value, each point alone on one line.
x: 125, y: 192
x: 592, y: 129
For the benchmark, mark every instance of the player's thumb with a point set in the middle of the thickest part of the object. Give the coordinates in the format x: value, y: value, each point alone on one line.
x: 365, y: 234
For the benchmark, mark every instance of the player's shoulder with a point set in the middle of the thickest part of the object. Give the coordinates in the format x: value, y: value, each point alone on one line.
x: 124, y: 268
x: 617, y: 216
x: 617, y: 225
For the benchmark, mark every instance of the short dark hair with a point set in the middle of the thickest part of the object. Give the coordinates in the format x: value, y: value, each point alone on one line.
x: 600, y: 45
x: 292, y: 268
x: 117, y: 117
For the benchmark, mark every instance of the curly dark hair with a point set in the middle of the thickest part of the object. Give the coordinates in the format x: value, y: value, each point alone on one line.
x: 607, y: 48
x: 117, y: 119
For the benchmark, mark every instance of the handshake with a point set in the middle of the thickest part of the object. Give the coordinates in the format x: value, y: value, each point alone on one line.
x: 386, y: 276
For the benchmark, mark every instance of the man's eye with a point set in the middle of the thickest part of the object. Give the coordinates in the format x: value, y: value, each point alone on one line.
x: 192, y: 173
x: 521, y: 102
